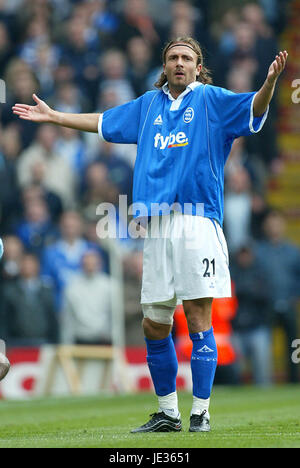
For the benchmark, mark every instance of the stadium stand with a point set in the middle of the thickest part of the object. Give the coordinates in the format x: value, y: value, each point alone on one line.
x: 90, y: 55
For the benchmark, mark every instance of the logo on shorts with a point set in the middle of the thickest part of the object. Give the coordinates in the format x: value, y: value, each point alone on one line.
x: 188, y: 115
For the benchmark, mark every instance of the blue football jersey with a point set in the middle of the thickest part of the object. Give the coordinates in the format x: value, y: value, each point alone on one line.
x: 182, y: 145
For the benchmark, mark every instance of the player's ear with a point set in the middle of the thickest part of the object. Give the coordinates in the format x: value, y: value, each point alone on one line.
x: 199, y: 68
x: 164, y: 68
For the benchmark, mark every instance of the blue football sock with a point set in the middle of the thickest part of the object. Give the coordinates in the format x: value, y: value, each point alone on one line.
x: 163, y: 365
x: 203, y: 362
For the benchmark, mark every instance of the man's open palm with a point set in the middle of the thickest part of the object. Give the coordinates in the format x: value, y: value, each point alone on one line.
x: 277, y: 67
x: 39, y: 113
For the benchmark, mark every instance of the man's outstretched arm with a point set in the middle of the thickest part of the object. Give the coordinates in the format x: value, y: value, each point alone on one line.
x: 264, y: 95
x: 42, y: 113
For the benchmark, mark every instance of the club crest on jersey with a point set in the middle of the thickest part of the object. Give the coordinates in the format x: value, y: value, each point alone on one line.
x: 188, y: 115
x: 174, y: 140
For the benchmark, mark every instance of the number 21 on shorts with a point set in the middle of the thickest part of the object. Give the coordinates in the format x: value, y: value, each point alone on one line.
x: 210, y: 267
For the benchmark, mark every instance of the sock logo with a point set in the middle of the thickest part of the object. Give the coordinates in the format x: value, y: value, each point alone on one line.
x: 205, y: 349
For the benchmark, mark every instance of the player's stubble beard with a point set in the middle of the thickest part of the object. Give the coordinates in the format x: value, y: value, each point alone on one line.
x: 178, y: 85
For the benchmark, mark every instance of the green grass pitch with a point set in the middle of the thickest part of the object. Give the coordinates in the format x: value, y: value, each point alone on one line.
x: 240, y: 417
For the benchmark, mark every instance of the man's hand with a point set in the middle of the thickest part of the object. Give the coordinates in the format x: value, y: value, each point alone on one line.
x: 277, y: 67
x: 42, y: 113
x: 264, y: 95
x: 39, y: 113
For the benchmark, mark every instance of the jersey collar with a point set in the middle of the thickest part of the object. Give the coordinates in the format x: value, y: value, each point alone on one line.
x: 189, y: 88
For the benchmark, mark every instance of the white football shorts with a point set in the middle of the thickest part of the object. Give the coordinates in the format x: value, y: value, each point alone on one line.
x: 185, y: 257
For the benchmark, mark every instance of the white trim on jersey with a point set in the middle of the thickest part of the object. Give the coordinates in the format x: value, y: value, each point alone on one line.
x: 177, y: 102
x: 100, y: 127
x: 252, y: 118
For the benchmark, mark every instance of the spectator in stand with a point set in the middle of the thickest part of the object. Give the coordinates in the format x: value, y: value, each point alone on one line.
x: 21, y: 83
x: 182, y: 27
x: 120, y: 173
x: 10, y: 206
x: 37, y: 191
x: 36, y: 229
x: 58, y: 176
x: 73, y: 150
x: 37, y: 33
x: 113, y: 68
x: 103, y: 20
x: 86, y: 314
x: 6, y: 49
x: 259, y: 211
x: 239, y: 80
x: 239, y: 157
x: 266, y: 46
x: 108, y: 97
x: 251, y: 49
x: 8, y: 16
x: 11, y: 260
x: 224, y: 31
x: 237, y: 213
x: 81, y: 49
x: 45, y: 61
x: 280, y: 261
x: 26, y: 10
x: 252, y: 325
x: 91, y: 235
x: 135, y: 20
x: 62, y: 260
x: 97, y: 189
x: 276, y: 13
x: 187, y: 19
x: 68, y: 97
x: 27, y: 316
x: 139, y: 64
x: 253, y: 14
x: 241, y: 56
x: 62, y: 74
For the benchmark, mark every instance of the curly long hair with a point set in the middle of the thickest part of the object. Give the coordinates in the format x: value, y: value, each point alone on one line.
x: 205, y: 75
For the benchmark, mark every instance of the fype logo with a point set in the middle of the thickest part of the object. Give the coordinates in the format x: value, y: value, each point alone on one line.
x: 171, y: 141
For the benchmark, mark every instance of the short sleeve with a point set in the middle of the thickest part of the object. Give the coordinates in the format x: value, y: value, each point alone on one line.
x: 234, y: 111
x: 121, y: 124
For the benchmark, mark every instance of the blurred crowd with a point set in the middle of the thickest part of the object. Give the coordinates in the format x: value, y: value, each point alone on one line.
x: 88, y: 56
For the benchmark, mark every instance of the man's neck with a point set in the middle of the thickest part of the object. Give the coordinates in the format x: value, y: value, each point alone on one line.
x: 176, y: 92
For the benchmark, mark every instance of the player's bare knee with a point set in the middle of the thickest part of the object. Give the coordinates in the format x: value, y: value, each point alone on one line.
x: 158, y: 321
x: 154, y: 330
x: 198, y: 314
